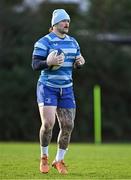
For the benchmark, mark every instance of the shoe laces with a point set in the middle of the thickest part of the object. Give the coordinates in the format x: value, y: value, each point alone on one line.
x: 62, y: 164
x: 44, y: 160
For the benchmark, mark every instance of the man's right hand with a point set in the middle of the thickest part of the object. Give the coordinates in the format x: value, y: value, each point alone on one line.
x: 54, y: 59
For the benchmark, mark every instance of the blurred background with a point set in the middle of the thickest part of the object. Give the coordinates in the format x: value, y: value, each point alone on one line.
x: 102, y: 28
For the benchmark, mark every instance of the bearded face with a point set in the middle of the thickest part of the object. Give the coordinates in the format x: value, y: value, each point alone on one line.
x: 63, y: 27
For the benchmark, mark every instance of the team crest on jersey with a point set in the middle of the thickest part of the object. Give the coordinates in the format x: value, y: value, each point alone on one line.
x: 55, y: 44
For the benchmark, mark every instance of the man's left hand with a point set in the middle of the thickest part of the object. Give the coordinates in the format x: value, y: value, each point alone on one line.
x: 80, y: 61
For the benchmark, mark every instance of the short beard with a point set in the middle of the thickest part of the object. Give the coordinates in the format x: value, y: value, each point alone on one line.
x: 63, y: 31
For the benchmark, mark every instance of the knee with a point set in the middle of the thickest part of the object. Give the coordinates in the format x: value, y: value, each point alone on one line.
x: 69, y: 126
x: 47, y: 125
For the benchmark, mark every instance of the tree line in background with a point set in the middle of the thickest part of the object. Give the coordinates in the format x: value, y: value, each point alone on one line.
x: 107, y: 65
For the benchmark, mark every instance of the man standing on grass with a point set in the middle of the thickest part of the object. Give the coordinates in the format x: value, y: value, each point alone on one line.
x: 55, y: 55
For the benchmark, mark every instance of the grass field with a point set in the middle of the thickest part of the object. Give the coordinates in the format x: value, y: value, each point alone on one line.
x: 85, y: 161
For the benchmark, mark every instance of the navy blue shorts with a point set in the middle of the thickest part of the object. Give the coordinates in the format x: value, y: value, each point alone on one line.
x: 50, y: 96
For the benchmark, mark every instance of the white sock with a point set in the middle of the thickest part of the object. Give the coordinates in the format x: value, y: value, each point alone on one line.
x: 60, y: 154
x: 44, y: 150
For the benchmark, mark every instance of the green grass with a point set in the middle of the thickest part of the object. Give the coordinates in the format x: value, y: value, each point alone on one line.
x: 85, y: 161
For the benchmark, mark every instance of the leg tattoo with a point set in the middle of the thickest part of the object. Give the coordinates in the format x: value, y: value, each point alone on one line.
x: 48, y: 119
x: 45, y: 135
x: 66, y: 122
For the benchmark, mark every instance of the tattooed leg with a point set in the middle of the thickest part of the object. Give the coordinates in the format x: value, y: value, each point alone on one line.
x: 66, y: 122
x: 47, y: 114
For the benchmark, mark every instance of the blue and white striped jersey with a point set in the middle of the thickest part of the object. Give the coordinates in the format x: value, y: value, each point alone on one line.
x: 61, y: 77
